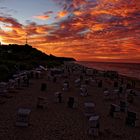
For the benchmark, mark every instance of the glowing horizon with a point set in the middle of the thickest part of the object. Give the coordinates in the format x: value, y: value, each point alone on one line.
x: 101, y: 30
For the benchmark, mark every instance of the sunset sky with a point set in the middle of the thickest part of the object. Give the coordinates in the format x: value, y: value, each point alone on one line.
x: 93, y: 30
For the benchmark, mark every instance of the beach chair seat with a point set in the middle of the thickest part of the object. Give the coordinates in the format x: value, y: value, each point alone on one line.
x: 23, y: 116
x: 41, y: 102
x: 89, y: 108
x: 130, y: 119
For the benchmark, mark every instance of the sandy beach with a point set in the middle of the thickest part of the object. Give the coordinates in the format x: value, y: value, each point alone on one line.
x: 57, y: 121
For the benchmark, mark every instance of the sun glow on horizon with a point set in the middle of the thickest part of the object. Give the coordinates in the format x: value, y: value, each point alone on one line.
x: 1, y: 42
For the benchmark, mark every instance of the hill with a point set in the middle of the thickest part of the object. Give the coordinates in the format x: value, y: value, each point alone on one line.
x: 15, y: 58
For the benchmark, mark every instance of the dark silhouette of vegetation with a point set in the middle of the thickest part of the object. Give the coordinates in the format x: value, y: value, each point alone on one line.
x: 15, y: 58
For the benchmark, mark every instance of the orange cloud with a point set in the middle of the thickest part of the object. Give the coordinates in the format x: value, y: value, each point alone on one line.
x: 62, y: 14
x: 77, y: 13
x: 42, y: 17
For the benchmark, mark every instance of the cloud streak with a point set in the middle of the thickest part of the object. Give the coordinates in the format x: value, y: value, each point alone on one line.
x: 44, y: 16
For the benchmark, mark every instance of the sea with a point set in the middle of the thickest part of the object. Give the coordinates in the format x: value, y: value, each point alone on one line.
x: 126, y: 69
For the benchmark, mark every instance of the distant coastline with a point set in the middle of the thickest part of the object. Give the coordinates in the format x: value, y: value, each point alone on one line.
x: 111, y: 62
x: 131, y: 70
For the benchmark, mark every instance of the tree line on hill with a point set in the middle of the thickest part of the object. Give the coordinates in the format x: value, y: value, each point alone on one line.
x: 14, y: 58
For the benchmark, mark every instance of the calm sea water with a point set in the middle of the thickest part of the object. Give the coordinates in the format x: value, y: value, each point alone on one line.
x: 127, y: 69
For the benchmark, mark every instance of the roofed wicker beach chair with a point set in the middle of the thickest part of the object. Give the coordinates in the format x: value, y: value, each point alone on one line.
x: 89, y: 72
x: 83, y: 90
x: 100, y: 84
x: 130, y: 119
x: 130, y: 98
x: 114, y: 109
x: 43, y: 87
x: 108, y: 95
x: 123, y: 106
x: 41, y: 102
x: 3, y: 89
x: 23, y: 116
x: 94, y: 125
x: 58, y: 97
x: 65, y: 86
x: 11, y: 85
x: 77, y: 82
x: 2, y: 101
x: 37, y: 74
x: 71, y: 102
x: 89, y: 109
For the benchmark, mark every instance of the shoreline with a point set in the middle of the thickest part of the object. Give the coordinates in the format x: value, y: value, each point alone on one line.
x: 121, y: 75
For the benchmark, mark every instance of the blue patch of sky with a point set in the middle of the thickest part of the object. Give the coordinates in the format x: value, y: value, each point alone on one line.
x: 27, y: 9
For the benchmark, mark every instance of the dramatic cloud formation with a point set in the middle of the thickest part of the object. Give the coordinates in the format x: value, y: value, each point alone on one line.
x: 102, y: 30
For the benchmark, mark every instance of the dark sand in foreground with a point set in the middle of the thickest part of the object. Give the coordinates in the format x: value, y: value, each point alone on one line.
x: 57, y: 121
